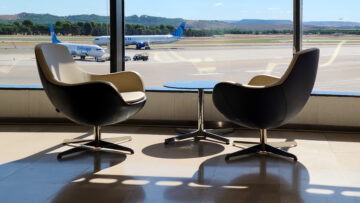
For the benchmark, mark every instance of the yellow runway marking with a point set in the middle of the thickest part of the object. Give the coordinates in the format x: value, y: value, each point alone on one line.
x: 197, y: 63
x: 208, y: 59
x: 157, y: 58
x: 7, y: 69
x: 164, y: 58
x: 336, y: 53
x: 270, y: 67
x: 177, y: 56
x: 195, y: 60
x: 206, y: 69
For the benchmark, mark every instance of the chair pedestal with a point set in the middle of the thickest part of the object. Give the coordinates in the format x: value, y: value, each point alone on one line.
x: 263, y: 147
x: 96, y: 144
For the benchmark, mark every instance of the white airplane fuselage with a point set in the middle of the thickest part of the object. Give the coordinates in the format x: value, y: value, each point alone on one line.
x: 135, y: 39
x: 151, y: 39
x: 145, y: 40
x: 84, y: 50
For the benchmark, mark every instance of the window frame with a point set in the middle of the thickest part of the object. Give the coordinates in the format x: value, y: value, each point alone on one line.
x: 117, y: 34
x: 117, y: 64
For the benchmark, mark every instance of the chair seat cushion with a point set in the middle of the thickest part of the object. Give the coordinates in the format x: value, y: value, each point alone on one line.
x: 132, y: 97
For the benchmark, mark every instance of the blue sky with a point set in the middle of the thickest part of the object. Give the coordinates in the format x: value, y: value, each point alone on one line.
x: 346, y: 10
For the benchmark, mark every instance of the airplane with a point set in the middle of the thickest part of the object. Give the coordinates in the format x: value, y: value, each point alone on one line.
x: 145, y: 40
x: 82, y: 50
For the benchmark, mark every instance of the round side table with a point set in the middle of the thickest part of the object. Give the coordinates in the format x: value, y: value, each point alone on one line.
x: 200, y: 132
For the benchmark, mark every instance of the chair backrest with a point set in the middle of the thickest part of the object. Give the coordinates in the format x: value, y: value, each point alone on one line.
x: 57, y: 65
x: 299, y: 79
x: 272, y: 105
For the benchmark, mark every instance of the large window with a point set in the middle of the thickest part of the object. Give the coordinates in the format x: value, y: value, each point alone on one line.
x: 223, y: 40
x: 336, y: 31
x: 23, y: 24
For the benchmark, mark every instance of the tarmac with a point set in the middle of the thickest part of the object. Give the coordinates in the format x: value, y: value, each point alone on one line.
x: 206, y: 59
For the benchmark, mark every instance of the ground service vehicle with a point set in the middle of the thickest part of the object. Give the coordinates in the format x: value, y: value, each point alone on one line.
x: 143, y: 57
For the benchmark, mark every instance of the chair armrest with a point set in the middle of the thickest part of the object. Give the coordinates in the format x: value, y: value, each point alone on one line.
x: 251, y: 106
x: 126, y: 81
x: 93, y: 94
x: 263, y: 80
x: 95, y: 102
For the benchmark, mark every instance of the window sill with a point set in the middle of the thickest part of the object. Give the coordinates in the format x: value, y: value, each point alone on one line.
x: 164, y: 89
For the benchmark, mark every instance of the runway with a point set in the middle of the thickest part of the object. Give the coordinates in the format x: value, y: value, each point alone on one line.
x: 207, y: 59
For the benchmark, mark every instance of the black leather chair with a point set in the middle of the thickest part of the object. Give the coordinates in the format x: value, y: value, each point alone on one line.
x: 269, y: 102
x: 88, y: 99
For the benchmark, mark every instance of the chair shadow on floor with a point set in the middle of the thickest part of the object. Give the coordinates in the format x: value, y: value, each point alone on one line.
x: 249, y: 179
x: 93, y: 187
x: 256, y: 178
x: 38, y: 177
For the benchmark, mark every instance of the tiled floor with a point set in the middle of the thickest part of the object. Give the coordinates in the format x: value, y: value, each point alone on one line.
x: 328, y: 169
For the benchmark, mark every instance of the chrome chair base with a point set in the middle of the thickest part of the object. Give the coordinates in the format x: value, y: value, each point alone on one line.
x: 112, y: 139
x: 198, y: 135
x: 259, y: 148
x: 263, y: 147
x: 94, y: 146
x: 245, y: 144
x: 97, y: 144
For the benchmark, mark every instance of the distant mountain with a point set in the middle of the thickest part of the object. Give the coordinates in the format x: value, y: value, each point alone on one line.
x: 48, y: 18
x: 206, y: 25
x: 254, y: 24
x: 209, y: 24
x: 44, y: 19
x: 333, y: 23
x: 152, y: 21
x: 289, y: 22
x: 245, y: 24
x: 261, y: 22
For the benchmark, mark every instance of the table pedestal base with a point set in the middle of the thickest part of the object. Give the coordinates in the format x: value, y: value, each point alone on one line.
x: 198, y: 135
x: 219, y: 131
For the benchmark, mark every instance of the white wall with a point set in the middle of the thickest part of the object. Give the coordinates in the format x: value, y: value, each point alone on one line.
x: 178, y: 106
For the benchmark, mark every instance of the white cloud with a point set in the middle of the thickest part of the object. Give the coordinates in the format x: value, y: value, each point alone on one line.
x: 271, y: 9
x: 218, y: 4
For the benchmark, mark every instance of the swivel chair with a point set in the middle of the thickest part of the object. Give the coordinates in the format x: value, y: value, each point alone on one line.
x: 267, y: 101
x: 88, y: 99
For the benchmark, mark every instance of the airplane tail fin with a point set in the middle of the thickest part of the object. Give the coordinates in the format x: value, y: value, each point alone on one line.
x: 54, y: 39
x: 180, y: 30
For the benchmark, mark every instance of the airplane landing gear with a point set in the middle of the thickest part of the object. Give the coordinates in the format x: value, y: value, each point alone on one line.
x: 99, y: 59
x: 82, y: 57
x: 140, y: 45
